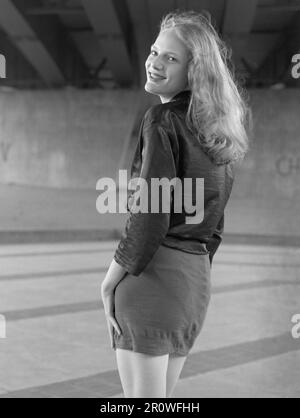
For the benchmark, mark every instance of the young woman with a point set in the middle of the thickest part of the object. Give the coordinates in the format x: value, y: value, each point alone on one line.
x: 157, y: 289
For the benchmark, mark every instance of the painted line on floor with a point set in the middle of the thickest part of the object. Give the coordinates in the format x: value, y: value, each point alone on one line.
x: 108, y: 384
x: 93, y: 305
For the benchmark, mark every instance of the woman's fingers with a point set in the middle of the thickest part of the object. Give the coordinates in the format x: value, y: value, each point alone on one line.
x: 111, y: 323
x: 110, y: 331
x: 115, y: 324
x: 108, y: 302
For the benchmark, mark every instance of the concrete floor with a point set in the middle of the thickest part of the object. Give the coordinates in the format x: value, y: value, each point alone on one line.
x: 57, y: 343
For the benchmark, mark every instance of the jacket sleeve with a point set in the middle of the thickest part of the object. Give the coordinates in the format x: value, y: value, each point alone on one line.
x: 216, y: 239
x: 144, y: 232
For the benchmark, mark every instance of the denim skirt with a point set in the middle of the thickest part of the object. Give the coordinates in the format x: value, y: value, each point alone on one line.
x: 162, y: 310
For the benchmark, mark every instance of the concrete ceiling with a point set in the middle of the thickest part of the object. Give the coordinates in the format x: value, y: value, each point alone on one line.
x: 104, y: 43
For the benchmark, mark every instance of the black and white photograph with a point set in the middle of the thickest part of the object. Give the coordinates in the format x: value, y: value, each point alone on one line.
x: 149, y: 201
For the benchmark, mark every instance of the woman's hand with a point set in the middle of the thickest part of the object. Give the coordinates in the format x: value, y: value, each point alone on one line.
x: 108, y: 299
x: 114, y: 275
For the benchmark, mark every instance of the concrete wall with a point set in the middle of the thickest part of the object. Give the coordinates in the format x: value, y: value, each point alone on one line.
x: 54, y: 145
x: 272, y: 166
x: 64, y: 138
x: 266, y: 194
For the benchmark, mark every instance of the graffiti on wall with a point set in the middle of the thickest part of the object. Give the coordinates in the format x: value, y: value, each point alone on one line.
x: 4, y: 150
x: 288, y: 165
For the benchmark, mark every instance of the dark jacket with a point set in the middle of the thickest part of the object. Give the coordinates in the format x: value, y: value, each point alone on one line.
x: 167, y: 148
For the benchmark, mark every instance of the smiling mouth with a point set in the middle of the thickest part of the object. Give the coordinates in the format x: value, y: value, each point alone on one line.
x: 155, y: 77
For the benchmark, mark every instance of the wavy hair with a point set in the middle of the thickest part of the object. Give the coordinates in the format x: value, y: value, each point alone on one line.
x: 217, y: 112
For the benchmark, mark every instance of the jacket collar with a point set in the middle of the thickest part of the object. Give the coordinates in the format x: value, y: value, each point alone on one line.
x: 182, y: 95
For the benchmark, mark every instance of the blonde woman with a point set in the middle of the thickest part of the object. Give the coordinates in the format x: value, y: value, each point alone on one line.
x: 157, y: 289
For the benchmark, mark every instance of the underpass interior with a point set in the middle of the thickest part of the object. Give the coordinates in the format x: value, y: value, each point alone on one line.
x: 71, y: 101
x: 56, y: 145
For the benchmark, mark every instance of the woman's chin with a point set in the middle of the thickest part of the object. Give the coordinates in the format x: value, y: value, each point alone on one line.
x: 150, y: 88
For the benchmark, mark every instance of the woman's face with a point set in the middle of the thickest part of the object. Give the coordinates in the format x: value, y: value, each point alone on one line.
x: 167, y: 66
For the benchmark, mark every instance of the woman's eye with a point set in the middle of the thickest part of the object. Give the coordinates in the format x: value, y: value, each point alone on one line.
x: 155, y: 53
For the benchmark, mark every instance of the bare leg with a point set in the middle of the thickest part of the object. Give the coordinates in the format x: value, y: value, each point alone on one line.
x: 142, y: 375
x: 125, y: 371
x: 173, y: 373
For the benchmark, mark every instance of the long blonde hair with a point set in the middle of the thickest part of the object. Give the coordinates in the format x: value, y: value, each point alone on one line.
x: 217, y: 112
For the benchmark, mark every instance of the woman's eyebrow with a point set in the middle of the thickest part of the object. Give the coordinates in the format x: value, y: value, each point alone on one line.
x: 168, y: 52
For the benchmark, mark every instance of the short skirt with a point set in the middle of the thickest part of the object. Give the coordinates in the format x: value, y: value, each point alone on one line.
x: 162, y: 310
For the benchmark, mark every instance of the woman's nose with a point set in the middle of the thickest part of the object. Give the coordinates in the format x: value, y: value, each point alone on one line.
x: 156, y: 63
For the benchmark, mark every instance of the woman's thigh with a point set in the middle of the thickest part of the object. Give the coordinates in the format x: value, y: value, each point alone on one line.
x: 142, y: 375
